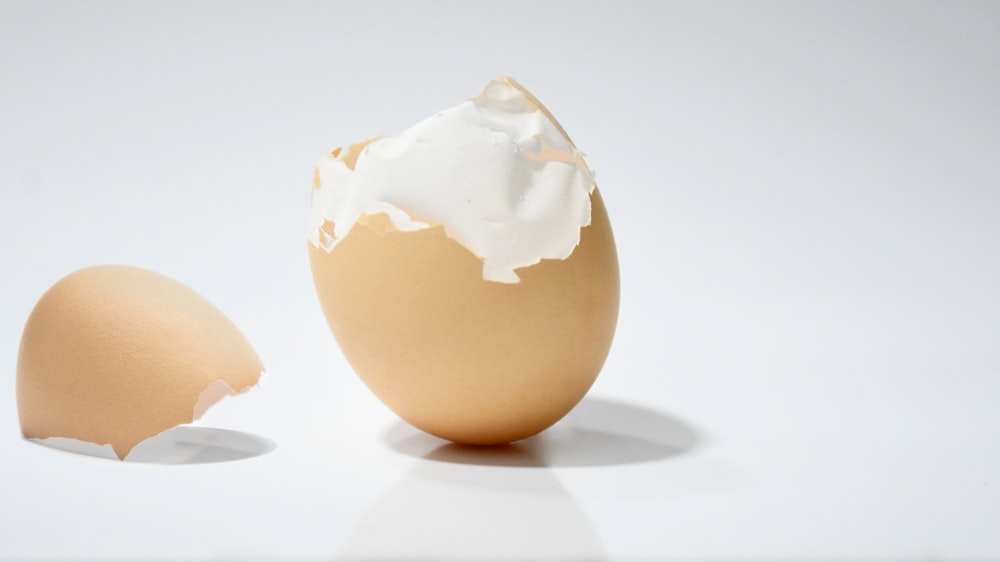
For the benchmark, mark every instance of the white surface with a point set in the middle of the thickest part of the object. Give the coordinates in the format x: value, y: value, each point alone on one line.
x: 806, y: 199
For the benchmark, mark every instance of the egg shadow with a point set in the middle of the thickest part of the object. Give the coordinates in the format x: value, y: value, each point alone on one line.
x: 598, y: 432
x: 183, y: 444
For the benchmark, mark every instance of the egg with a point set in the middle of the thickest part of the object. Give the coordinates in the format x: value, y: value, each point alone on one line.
x: 467, y: 268
x: 116, y: 354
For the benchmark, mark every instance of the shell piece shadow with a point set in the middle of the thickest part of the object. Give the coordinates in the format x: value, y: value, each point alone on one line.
x: 598, y: 432
x: 183, y: 444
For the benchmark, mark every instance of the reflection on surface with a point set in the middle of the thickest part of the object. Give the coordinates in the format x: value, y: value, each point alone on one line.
x: 183, y: 444
x: 465, y: 503
x: 598, y: 432
x: 452, y: 511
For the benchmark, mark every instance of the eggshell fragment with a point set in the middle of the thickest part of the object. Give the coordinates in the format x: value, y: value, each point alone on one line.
x: 116, y: 354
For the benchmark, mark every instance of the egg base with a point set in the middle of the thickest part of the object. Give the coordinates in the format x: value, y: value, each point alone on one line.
x: 468, y: 360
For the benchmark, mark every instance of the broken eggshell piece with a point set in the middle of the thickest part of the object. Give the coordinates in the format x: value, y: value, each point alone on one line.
x: 467, y: 268
x: 117, y: 354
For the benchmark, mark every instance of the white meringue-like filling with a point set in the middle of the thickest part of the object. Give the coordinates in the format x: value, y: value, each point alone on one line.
x: 496, y: 171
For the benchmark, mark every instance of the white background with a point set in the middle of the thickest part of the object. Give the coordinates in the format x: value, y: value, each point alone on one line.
x: 806, y: 200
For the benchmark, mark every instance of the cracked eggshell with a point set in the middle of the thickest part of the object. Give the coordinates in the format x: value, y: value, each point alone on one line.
x: 116, y: 354
x: 466, y: 267
x: 466, y: 359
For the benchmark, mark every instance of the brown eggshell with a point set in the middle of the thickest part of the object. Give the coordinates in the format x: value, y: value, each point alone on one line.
x: 469, y: 360
x: 116, y: 354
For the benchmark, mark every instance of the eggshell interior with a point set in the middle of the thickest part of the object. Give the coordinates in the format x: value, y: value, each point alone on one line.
x: 460, y: 357
x: 117, y: 354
